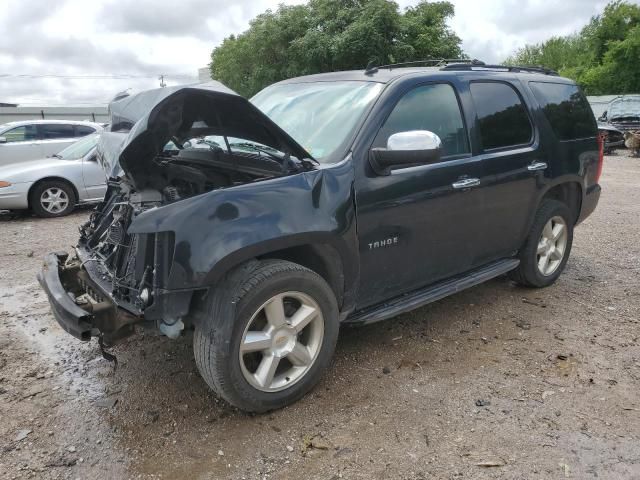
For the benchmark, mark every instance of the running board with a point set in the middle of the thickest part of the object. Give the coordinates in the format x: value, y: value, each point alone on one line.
x: 419, y: 298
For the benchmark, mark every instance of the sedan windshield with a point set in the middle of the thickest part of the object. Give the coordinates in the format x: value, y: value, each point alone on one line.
x: 320, y: 116
x: 78, y: 149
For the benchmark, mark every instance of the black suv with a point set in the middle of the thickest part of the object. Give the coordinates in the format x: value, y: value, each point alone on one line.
x: 345, y: 197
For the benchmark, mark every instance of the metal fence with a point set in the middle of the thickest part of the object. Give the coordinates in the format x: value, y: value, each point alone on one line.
x: 91, y: 113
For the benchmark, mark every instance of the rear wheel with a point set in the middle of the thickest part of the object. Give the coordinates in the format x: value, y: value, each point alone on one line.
x: 547, y: 248
x: 52, y: 198
x: 270, y: 333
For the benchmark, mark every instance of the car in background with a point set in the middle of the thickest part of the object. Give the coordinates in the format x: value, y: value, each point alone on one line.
x: 52, y: 187
x: 622, y: 115
x: 34, y: 139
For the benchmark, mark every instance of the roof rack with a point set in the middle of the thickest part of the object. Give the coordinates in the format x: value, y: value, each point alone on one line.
x: 503, y: 68
x: 372, y: 67
x: 436, y: 62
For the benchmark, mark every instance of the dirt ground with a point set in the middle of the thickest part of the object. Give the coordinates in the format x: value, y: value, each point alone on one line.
x: 495, y: 382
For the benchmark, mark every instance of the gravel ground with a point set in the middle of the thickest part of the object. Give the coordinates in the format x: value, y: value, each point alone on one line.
x: 495, y: 382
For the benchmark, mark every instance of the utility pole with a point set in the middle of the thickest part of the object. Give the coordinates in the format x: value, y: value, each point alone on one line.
x: 161, y: 78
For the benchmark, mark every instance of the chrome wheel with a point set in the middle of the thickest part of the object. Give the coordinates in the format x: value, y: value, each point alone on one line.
x: 281, y: 341
x: 552, y: 245
x: 54, y: 200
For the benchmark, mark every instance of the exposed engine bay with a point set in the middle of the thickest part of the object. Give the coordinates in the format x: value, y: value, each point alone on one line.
x: 163, y: 147
x: 129, y: 265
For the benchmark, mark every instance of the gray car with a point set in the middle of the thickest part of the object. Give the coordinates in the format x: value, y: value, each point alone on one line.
x: 33, y: 139
x: 52, y: 187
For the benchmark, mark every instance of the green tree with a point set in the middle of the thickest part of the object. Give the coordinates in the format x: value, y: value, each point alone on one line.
x: 332, y: 35
x: 604, y: 57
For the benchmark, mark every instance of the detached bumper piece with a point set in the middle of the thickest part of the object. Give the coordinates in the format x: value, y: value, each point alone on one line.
x: 79, y: 305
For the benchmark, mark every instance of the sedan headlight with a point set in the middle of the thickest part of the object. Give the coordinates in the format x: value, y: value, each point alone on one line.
x: 4, y: 184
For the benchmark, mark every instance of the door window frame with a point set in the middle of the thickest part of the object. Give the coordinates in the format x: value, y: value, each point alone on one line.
x: 508, y: 148
x: 445, y: 158
x: 35, y: 139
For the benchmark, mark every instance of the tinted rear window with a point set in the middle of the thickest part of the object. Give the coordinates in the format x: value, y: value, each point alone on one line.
x: 57, y: 130
x: 503, y: 118
x: 566, y: 109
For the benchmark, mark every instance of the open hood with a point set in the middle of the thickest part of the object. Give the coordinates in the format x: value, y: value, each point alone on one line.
x: 142, y: 124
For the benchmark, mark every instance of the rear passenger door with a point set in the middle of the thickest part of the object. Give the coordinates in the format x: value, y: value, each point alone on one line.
x: 512, y: 160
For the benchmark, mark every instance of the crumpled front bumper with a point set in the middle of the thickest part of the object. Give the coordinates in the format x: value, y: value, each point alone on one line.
x: 79, y: 305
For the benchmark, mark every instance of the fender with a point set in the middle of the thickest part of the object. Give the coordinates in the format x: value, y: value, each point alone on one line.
x: 218, y: 230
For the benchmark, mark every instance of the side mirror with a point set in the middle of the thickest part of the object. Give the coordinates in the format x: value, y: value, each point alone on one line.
x: 3, y: 139
x: 406, y: 149
x: 93, y: 158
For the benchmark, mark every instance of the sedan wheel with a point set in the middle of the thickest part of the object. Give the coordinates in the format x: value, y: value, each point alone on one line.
x: 54, y: 200
x: 281, y: 341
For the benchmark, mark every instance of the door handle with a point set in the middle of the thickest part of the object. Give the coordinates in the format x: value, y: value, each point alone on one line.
x: 466, y: 183
x: 537, y: 166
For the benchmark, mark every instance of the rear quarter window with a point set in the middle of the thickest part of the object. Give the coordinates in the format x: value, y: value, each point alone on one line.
x: 566, y: 109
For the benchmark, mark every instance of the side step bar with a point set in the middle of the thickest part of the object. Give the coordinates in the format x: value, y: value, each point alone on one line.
x: 419, y: 298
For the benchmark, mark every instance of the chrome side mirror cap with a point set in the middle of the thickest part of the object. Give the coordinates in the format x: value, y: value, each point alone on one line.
x: 406, y: 149
x: 415, y: 140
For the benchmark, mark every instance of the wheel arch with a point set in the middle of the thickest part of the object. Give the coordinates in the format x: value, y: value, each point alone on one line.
x: 569, y: 192
x: 317, y: 253
x: 54, y: 179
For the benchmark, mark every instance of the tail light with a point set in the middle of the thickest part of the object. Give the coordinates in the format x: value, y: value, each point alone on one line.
x: 600, y: 156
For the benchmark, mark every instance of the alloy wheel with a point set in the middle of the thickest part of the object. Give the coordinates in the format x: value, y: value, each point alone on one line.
x: 552, y: 245
x: 54, y: 200
x: 281, y: 342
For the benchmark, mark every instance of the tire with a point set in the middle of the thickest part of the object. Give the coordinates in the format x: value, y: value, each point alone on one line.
x: 61, y: 195
x: 532, y: 271
x: 237, y: 315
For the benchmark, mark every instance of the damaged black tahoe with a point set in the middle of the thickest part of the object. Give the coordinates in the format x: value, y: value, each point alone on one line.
x: 346, y: 197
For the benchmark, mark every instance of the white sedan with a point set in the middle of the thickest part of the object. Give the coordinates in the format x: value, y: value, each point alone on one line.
x: 52, y: 187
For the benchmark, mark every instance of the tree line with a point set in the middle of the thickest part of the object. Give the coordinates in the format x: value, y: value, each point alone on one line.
x: 603, y: 57
x: 332, y: 35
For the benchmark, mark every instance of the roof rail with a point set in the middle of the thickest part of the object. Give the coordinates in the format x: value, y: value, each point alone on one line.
x: 435, y: 62
x: 507, y: 68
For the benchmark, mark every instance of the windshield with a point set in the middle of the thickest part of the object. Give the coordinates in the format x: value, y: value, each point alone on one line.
x: 627, y: 106
x: 320, y: 116
x: 78, y: 149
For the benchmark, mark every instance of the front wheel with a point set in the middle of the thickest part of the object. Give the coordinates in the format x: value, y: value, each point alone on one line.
x: 270, y: 333
x: 547, y: 248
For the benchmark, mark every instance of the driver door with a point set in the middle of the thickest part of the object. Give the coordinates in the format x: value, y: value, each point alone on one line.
x: 419, y: 224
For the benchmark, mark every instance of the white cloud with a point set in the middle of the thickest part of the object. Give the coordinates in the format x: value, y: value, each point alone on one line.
x: 146, y: 38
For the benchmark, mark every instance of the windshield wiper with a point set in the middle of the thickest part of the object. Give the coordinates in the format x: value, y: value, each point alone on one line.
x: 258, y: 148
x: 55, y: 155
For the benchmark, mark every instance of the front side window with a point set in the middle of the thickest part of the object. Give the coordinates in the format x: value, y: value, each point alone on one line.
x: 502, y: 116
x: 432, y: 107
x: 566, y: 109
x: 23, y: 133
x: 55, y: 130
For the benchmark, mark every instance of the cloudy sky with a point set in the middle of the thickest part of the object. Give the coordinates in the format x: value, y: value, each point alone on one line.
x: 84, y: 51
